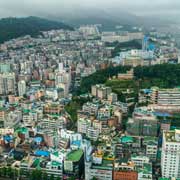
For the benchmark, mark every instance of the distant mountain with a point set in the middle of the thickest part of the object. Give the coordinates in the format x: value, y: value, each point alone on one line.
x: 108, y: 18
x: 16, y: 27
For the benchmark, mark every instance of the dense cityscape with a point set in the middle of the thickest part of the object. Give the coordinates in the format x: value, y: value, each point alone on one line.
x: 84, y: 103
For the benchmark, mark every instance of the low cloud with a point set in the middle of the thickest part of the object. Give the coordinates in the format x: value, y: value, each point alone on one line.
x: 43, y: 7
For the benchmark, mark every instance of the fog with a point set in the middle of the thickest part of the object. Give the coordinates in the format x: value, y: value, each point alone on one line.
x: 59, y: 7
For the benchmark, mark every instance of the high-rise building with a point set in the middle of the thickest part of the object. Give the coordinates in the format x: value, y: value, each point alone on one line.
x: 83, y: 125
x: 61, y: 67
x: 178, y: 58
x: 170, y: 157
x: 21, y: 88
x: 143, y: 123
x: 63, y: 79
x: 7, y: 83
x: 74, y: 164
x: 101, y: 91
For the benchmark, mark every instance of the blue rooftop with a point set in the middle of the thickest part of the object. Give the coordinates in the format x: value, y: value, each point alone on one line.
x: 77, y: 143
x: 162, y: 114
x: 126, y: 139
x: 42, y: 153
x: 147, y: 91
x: 8, y: 138
x: 38, y: 139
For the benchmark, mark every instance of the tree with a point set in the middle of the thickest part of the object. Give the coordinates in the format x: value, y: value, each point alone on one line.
x: 58, y: 178
x: 52, y: 177
x: 16, y: 173
x: 4, y: 171
x: 36, y: 175
x: 134, y: 44
x: 1, y: 172
x: 44, y: 176
x: 71, y: 178
x: 94, y: 178
x: 100, y: 77
x: 9, y: 172
x: 15, y: 27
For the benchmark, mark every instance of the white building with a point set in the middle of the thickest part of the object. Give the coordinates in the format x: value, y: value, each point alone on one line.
x: 166, y: 96
x: 104, y: 113
x: 135, y: 57
x: 63, y: 78
x: 7, y: 83
x: 83, y: 124
x: 100, y: 91
x: 170, y: 157
x: 13, y: 119
x: 112, y: 97
x: 92, y: 130
x: 29, y: 117
x: 112, y: 37
x: 93, y: 133
x: 51, y: 123
x: 71, y: 135
x: 90, y: 108
x: 54, y: 93
x: 178, y: 58
x: 151, y: 150
x: 145, y: 173
x: 101, y: 172
x: 140, y: 160
x: 89, y: 30
x: 21, y: 88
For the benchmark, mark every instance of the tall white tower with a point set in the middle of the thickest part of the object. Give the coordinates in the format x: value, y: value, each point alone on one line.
x: 170, y: 157
x: 61, y: 67
x: 21, y: 88
x: 179, y: 58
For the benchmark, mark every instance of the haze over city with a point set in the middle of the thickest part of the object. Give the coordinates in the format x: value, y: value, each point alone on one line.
x: 57, y: 7
x: 89, y: 89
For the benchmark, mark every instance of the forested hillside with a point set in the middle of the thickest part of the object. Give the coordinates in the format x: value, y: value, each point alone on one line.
x: 15, y: 27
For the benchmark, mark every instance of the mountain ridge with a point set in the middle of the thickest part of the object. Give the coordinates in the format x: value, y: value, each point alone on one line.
x: 109, y: 18
x: 13, y: 27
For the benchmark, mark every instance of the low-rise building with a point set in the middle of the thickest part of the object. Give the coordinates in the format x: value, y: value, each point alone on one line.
x: 145, y: 173
x: 126, y: 76
x: 125, y: 171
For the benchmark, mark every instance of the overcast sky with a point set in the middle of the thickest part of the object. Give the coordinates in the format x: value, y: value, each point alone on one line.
x: 40, y: 7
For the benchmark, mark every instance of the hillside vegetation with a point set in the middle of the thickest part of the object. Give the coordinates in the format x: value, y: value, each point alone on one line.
x: 163, y: 76
x: 11, y: 28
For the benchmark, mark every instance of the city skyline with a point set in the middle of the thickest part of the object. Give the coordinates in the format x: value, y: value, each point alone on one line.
x: 90, y: 90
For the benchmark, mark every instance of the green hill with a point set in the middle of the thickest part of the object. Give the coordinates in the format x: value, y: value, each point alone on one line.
x: 161, y: 75
x: 15, y: 27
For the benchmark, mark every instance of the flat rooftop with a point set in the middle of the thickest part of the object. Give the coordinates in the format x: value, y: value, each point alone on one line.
x: 147, y: 169
x: 55, y: 163
x: 170, y: 136
x: 106, y: 165
x: 74, y: 155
